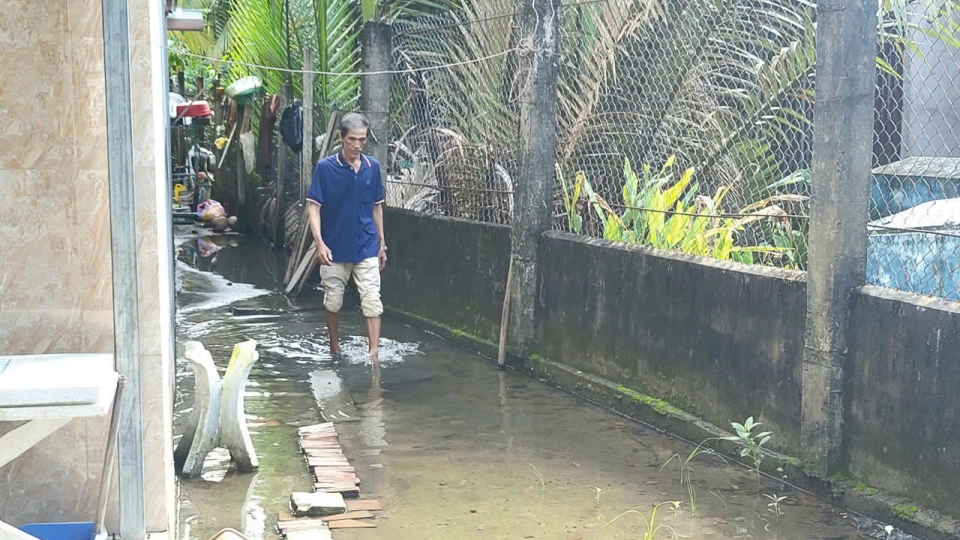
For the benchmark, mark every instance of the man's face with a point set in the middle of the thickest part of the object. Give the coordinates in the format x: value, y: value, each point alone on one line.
x: 353, y: 143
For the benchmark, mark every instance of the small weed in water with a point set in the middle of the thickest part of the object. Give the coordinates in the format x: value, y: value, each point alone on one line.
x: 906, y: 511
x: 651, y: 528
x: 691, y: 494
x: 752, y: 442
x: 686, y: 471
x: 543, y: 484
x: 774, y: 507
x: 720, y: 498
x: 597, y: 492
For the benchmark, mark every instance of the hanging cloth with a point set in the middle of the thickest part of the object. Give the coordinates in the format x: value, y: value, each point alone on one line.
x: 291, y: 126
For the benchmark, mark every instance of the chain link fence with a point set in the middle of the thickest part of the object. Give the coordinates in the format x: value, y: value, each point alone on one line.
x: 456, y: 118
x: 914, y: 242
x: 686, y: 126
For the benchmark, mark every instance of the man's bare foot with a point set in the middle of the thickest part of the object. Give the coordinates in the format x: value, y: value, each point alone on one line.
x: 375, y: 355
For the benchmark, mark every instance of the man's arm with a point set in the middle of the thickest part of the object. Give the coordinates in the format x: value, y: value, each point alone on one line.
x: 314, y: 201
x: 313, y: 216
x: 378, y: 221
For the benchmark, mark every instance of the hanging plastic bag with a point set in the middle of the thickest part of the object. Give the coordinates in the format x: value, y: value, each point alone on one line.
x: 291, y: 126
x: 249, y: 147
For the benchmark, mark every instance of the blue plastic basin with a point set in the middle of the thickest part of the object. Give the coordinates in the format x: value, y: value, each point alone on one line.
x: 60, y: 531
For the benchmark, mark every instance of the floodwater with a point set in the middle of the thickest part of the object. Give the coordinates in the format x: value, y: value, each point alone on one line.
x: 452, y: 448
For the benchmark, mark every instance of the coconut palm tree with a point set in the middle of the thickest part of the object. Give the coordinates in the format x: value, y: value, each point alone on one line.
x: 273, y: 33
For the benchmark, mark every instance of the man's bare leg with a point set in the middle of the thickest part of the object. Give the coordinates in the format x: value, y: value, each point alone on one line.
x: 333, y: 328
x: 373, y: 333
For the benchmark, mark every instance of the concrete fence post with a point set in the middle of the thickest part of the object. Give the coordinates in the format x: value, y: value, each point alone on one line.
x: 843, y: 145
x: 536, y: 156
x: 376, y: 50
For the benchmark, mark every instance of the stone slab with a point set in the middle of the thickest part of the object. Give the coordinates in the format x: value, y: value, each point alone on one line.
x: 317, y: 504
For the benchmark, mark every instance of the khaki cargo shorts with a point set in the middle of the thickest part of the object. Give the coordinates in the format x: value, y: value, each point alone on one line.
x: 366, y: 274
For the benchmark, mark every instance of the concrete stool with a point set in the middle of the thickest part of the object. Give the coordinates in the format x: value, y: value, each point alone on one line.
x: 218, y: 419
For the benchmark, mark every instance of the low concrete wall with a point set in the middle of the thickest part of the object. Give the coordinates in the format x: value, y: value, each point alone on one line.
x: 903, y: 421
x: 720, y: 340
x: 448, y: 270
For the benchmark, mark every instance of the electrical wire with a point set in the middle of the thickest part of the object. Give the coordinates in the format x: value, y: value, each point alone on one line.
x: 354, y: 73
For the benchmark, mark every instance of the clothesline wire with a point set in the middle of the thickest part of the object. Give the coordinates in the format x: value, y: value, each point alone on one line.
x: 425, y: 28
x: 355, y: 73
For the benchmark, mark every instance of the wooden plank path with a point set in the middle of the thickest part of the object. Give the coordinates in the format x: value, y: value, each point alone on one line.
x: 333, y: 473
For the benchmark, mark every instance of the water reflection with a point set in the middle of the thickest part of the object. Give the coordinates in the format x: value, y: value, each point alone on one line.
x: 372, y: 427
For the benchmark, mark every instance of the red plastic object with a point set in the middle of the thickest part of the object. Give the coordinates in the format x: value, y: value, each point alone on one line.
x: 194, y: 109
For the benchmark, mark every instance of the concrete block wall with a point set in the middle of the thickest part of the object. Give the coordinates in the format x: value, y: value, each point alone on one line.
x: 453, y: 271
x: 903, y: 419
x: 719, y: 340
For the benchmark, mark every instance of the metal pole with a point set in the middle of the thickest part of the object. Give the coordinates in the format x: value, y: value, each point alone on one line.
x: 306, y: 154
x: 842, y: 153
x: 106, y: 479
x: 168, y: 209
x: 123, y: 236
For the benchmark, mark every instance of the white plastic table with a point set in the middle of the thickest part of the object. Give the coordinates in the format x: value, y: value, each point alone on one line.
x: 48, y: 391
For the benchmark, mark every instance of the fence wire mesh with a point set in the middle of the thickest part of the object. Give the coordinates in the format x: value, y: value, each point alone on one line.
x: 913, y: 241
x: 686, y: 126
x: 455, y: 128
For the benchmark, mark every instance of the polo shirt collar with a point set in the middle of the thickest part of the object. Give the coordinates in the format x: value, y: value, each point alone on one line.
x: 364, y: 161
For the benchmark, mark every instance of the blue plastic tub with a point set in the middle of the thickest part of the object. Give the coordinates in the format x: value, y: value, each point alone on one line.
x: 60, y: 531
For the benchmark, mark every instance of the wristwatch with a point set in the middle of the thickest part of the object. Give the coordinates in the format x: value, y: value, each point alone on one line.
x: 383, y: 248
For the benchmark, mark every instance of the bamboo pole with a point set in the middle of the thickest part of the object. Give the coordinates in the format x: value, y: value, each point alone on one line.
x: 505, y: 319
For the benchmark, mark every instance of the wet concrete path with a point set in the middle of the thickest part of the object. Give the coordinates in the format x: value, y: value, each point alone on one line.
x: 452, y: 448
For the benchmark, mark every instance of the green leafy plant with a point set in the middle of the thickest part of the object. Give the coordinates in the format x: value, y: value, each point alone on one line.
x: 906, y: 511
x: 259, y: 31
x: 666, y: 212
x: 571, y: 198
x: 686, y: 471
x: 651, y: 527
x: 752, y: 442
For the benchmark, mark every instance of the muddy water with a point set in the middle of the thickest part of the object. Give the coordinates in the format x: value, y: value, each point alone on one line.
x: 452, y: 448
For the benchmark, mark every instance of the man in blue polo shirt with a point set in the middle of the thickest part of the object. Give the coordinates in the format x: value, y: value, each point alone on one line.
x: 345, y: 204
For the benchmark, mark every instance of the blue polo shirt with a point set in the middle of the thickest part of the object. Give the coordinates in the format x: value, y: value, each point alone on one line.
x: 346, y: 198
